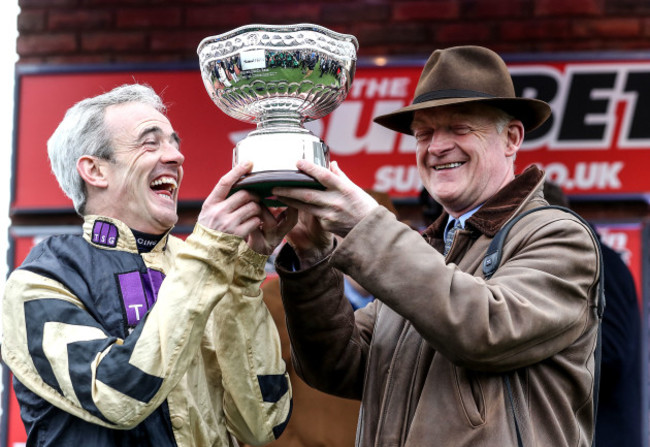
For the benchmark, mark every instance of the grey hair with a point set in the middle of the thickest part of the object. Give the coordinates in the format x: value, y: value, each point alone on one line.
x: 502, y: 119
x: 83, y: 132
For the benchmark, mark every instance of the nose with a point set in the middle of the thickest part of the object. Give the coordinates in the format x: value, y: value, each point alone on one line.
x: 440, y: 143
x: 172, y: 154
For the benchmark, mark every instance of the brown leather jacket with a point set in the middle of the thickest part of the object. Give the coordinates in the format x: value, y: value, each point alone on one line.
x: 428, y: 356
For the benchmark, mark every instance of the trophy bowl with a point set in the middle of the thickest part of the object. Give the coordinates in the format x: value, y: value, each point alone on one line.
x: 278, y: 77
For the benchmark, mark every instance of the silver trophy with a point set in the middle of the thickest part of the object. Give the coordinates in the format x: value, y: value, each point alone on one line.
x: 279, y: 77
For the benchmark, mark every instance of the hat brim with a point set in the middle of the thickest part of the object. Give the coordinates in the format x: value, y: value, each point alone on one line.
x: 531, y: 112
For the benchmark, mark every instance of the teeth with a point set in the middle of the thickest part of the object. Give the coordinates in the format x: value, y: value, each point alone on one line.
x: 165, y: 181
x: 447, y: 166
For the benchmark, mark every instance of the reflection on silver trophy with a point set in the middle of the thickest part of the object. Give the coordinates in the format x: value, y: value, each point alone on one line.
x: 279, y: 77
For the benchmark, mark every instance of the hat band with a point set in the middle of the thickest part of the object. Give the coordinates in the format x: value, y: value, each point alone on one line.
x: 446, y: 94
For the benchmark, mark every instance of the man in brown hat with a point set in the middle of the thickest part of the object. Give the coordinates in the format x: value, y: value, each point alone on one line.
x: 445, y: 356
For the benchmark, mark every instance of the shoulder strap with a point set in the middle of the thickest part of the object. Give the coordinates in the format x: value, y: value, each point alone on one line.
x: 491, y: 262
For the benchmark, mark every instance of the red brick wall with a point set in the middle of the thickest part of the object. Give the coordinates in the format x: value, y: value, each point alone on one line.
x: 88, y: 31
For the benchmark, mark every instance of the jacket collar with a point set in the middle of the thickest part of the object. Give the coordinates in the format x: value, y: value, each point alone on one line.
x: 499, y: 208
x: 109, y: 233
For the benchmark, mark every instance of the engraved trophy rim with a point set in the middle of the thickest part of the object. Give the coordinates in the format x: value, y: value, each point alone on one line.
x: 276, y: 28
x: 304, y: 101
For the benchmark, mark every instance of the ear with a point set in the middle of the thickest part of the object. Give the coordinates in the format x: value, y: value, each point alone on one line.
x: 515, y: 137
x: 91, y: 169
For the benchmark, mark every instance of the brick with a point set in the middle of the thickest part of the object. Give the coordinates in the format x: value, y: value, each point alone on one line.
x: 607, y: 28
x: 391, y: 34
x: 177, y: 40
x: 122, y: 41
x: 116, y: 4
x: 463, y: 33
x: 218, y: 16
x: 506, y: 48
x: 626, y: 7
x: 78, y: 19
x: 31, y: 20
x: 79, y: 59
x: 423, y: 10
x: 30, y: 60
x: 567, y: 45
x: 158, y: 17
x: 24, y: 4
x: 353, y: 12
x: 645, y: 31
x: 150, y: 57
x: 632, y: 45
x: 527, y: 30
x: 298, y: 13
x: 43, y: 44
x: 568, y: 7
x: 491, y: 9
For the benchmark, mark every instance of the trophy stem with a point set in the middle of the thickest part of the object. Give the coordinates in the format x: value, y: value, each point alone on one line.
x: 285, y: 122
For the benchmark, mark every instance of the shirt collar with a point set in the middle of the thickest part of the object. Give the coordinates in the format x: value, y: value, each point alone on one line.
x: 525, y: 189
x: 451, y: 221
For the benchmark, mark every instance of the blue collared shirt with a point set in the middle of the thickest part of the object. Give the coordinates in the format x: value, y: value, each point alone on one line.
x: 451, y: 220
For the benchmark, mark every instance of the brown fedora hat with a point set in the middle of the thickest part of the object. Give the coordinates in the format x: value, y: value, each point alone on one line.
x: 462, y: 75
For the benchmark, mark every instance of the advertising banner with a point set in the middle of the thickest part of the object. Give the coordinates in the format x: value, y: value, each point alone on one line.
x: 596, y: 143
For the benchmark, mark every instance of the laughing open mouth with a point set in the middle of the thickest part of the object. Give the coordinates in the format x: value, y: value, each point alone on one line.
x: 164, y: 186
x: 448, y: 166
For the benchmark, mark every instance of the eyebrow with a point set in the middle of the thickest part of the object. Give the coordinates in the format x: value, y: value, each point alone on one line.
x: 158, y: 130
x: 416, y: 123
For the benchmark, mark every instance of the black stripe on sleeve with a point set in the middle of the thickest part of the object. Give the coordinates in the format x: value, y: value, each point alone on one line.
x: 114, y: 370
x: 37, y: 314
x: 273, y: 386
x: 278, y: 429
x: 117, y: 371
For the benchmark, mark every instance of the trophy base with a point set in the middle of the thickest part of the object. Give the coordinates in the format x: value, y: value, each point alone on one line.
x: 261, y: 183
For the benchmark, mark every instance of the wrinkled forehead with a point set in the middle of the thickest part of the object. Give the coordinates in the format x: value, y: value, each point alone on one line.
x: 131, y: 118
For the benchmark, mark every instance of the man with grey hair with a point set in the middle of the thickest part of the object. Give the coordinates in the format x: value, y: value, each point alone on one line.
x: 128, y: 335
x: 449, y: 354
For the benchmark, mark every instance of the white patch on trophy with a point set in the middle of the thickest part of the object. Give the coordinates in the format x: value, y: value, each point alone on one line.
x: 278, y: 77
x: 251, y: 60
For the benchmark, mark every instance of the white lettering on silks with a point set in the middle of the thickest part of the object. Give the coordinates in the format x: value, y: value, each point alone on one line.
x: 136, y: 308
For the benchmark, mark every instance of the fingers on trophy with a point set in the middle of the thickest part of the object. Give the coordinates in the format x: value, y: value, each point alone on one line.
x: 278, y: 77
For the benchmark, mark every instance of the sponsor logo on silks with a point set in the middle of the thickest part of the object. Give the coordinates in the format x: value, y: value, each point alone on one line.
x: 139, y: 293
x: 146, y: 242
x: 105, y: 234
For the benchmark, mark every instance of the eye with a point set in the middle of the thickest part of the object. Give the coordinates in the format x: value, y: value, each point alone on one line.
x: 461, y: 130
x: 151, y: 143
x: 422, y: 135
